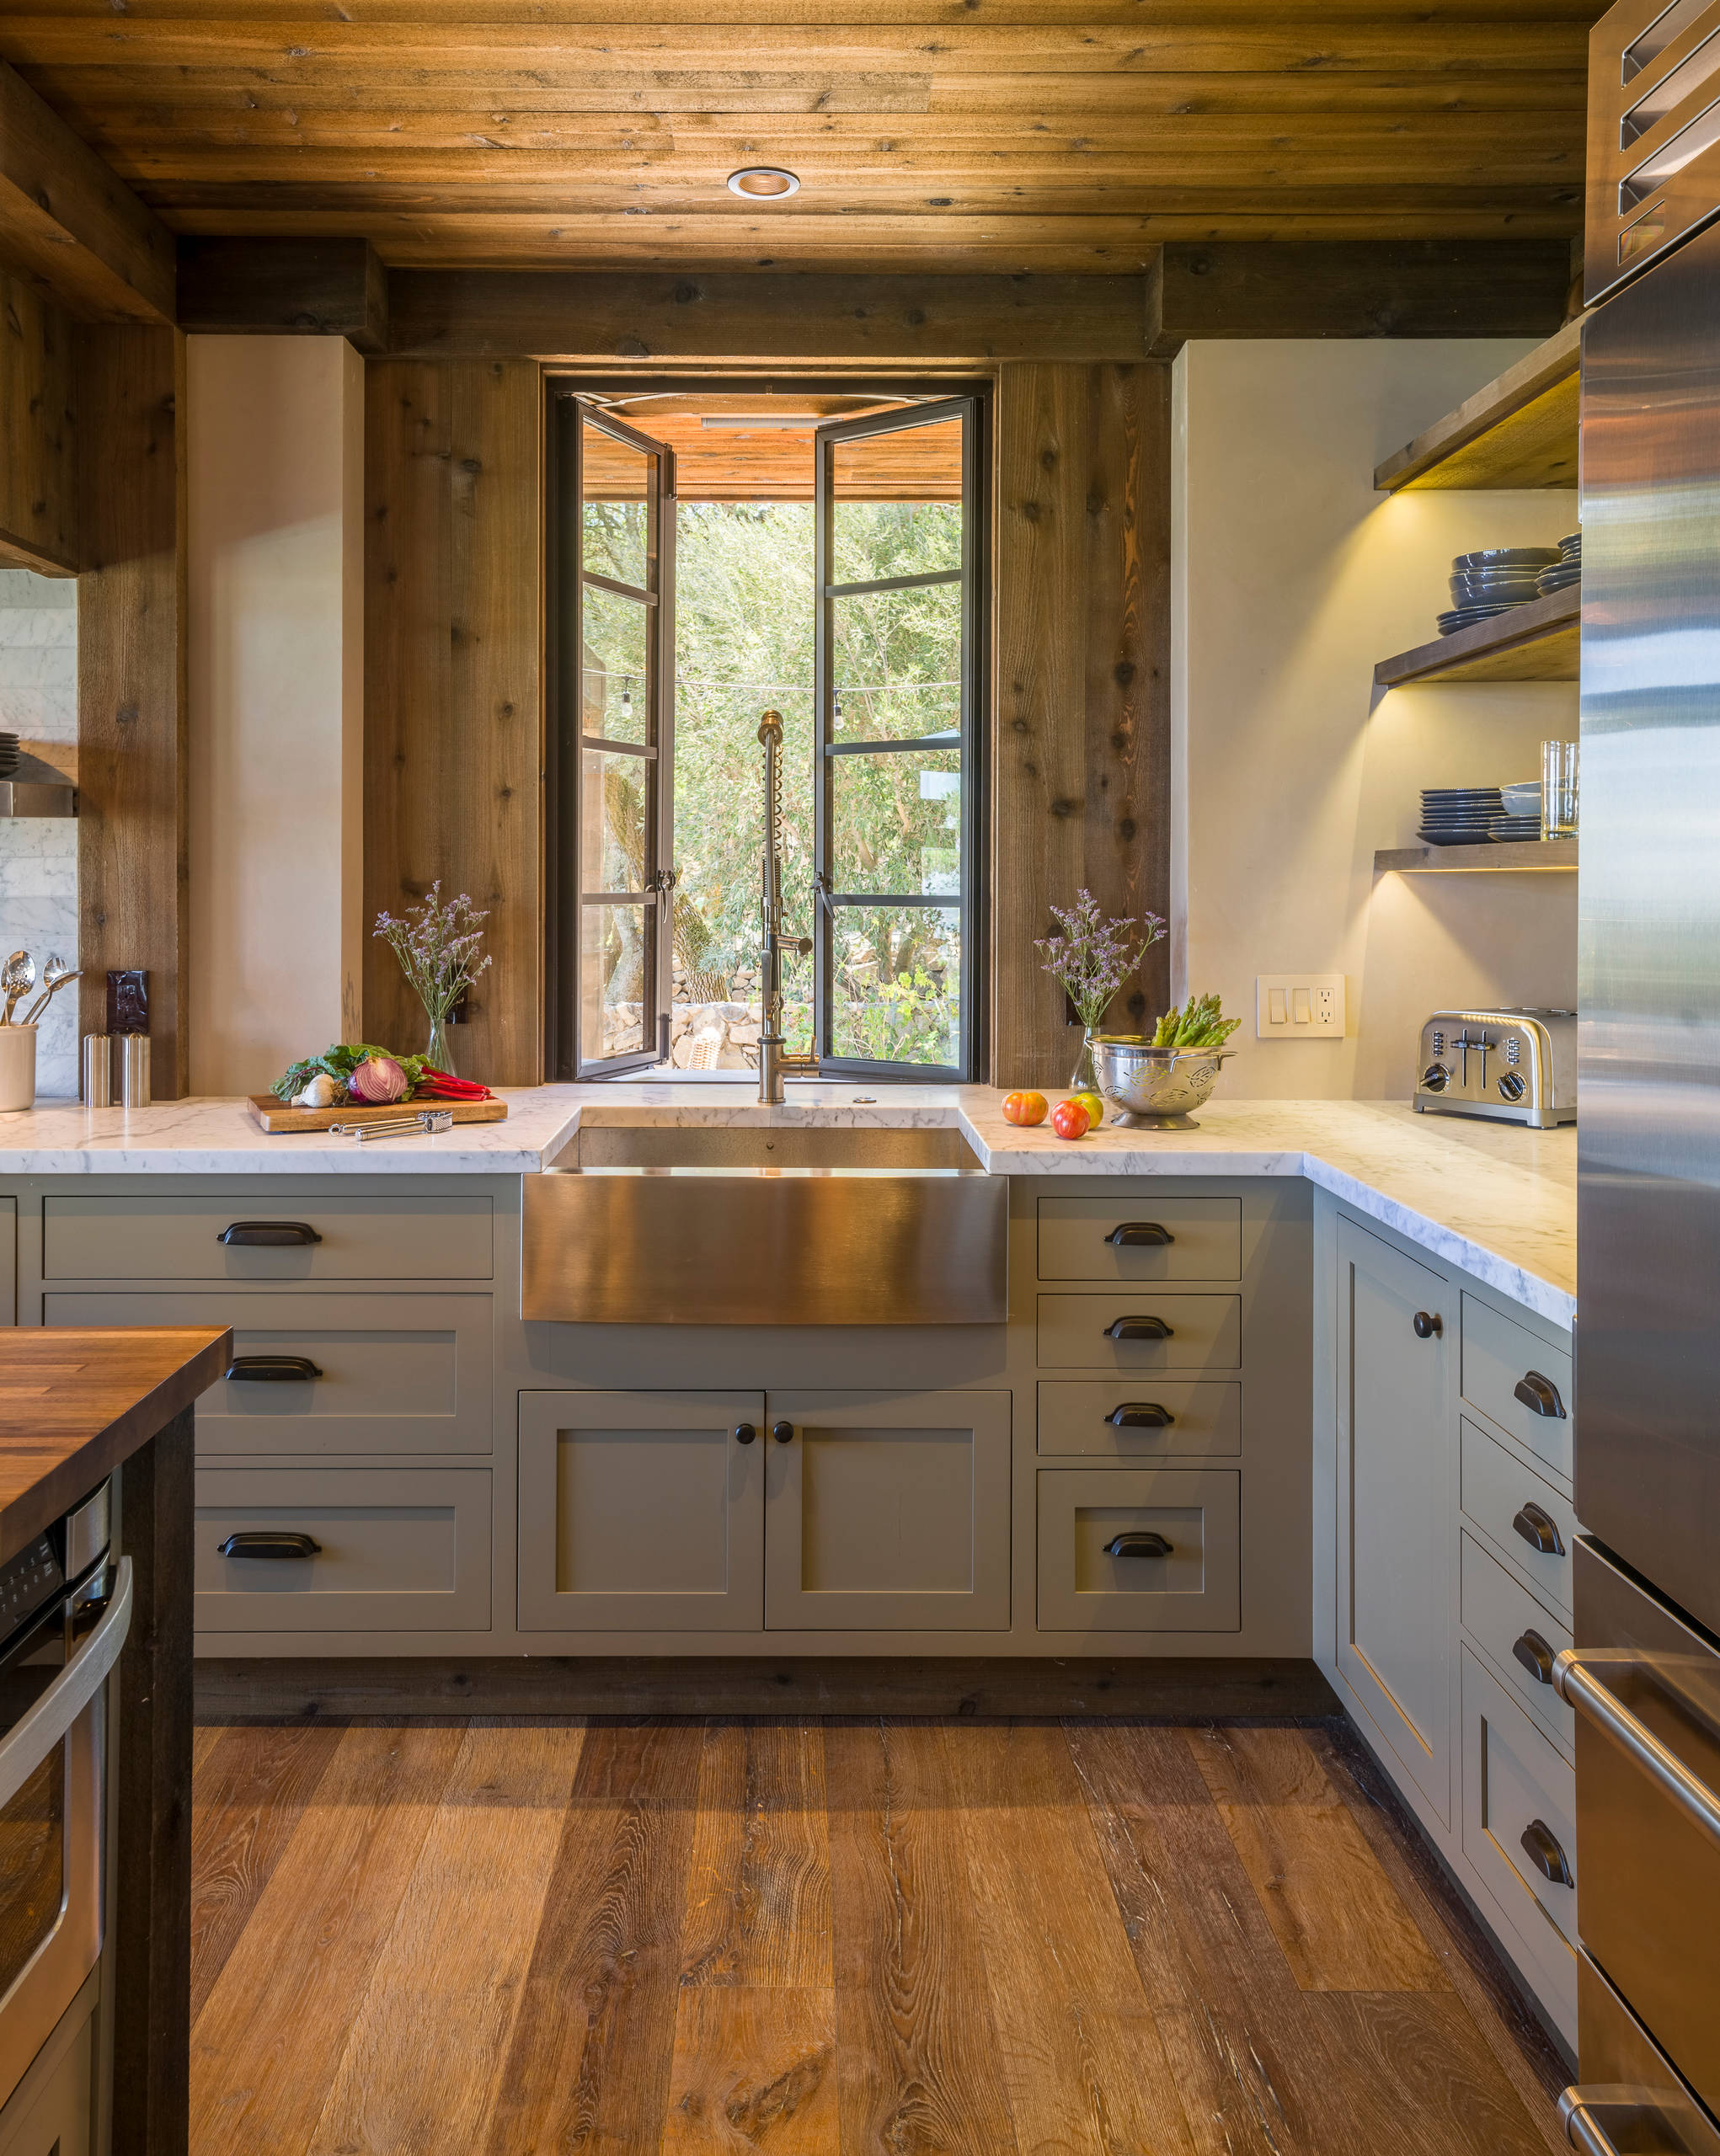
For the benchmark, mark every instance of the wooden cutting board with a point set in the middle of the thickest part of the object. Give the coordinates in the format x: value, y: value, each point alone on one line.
x: 275, y: 1117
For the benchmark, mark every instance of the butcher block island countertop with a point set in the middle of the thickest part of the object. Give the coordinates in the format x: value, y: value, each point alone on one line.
x: 77, y: 1404
x: 1494, y: 1198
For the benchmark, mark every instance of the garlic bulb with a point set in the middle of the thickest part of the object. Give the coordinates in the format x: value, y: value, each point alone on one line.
x: 322, y: 1092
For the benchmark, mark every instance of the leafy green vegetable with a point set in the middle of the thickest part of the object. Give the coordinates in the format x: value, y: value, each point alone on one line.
x: 1201, y: 1025
x: 339, y: 1062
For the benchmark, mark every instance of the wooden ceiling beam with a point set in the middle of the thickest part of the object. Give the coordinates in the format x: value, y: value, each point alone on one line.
x: 1419, y: 288
x: 647, y: 315
x: 300, y: 49
x: 70, y: 224
x: 285, y: 288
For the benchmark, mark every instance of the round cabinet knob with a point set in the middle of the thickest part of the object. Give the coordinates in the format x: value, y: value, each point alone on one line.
x: 1513, y: 1085
x: 783, y: 1432
x: 1428, y: 1327
x: 744, y: 1433
x: 1435, y: 1078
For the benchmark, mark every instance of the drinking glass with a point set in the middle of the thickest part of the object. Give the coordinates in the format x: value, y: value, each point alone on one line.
x: 1558, y: 789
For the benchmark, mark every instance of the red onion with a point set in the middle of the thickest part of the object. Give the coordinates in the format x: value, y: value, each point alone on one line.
x: 378, y: 1080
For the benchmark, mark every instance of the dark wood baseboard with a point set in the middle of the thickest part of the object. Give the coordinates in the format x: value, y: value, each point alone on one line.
x: 633, y: 1684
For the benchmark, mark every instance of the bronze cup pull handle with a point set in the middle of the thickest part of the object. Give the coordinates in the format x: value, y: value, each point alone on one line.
x: 1141, y: 1415
x: 268, y: 1235
x: 1140, y: 1235
x: 269, y: 1542
x: 1539, y: 1394
x: 1541, y: 1846
x: 1141, y: 1545
x: 1539, y: 1529
x: 1137, y: 1328
x: 1535, y: 1656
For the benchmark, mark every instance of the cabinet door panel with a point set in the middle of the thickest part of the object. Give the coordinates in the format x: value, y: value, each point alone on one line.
x: 888, y: 1510
x: 1398, y: 1550
x: 641, y: 1512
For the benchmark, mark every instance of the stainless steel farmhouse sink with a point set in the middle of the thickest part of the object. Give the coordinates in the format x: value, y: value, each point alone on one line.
x: 765, y: 1223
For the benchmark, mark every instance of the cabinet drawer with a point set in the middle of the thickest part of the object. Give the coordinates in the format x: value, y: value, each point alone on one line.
x: 1140, y: 1238
x: 1498, y: 1611
x: 1105, y: 1418
x: 399, y: 1551
x: 394, y: 1373
x: 1194, y: 1585
x: 1514, y: 1785
x: 1202, y: 1332
x: 178, y: 1238
x: 1500, y: 1354
x: 1497, y: 1492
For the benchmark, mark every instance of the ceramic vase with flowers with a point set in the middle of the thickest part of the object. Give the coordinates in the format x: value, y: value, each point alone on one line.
x: 440, y: 945
x: 1090, y: 961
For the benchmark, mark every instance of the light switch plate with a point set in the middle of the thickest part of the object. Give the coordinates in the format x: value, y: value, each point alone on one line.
x: 1299, y: 1006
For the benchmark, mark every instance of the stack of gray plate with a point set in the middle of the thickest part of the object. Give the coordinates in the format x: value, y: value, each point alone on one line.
x: 1567, y: 570
x: 1472, y: 815
x: 1492, y: 580
x: 8, y: 754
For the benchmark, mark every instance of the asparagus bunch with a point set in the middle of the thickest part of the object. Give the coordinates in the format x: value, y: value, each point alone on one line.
x: 1199, y: 1025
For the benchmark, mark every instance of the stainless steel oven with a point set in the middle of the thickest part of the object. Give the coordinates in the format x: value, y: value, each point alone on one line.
x: 65, y: 1608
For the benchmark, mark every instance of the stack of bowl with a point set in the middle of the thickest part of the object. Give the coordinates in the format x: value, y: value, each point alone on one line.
x: 1492, y: 580
x: 1567, y: 570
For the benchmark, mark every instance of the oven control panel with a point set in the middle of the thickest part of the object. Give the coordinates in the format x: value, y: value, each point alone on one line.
x: 27, y: 1582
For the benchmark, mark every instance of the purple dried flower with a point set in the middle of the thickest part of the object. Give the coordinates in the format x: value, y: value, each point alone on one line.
x: 1095, y: 955
x: 438, y: 947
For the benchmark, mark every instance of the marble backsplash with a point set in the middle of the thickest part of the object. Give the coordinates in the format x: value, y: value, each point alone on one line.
x: 39, y: 855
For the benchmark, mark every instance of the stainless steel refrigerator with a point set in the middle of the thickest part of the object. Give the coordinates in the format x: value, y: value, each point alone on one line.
x: 1644, y: 1673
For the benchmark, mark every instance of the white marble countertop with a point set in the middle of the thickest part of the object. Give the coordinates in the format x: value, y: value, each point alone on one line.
x: 1496, y: 1199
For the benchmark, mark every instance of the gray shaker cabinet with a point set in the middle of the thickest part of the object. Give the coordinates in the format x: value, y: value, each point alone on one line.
x: 887, y: 1511
x: 1397, y: 1347
x: 744, y: 1511
x: 641, y: 1510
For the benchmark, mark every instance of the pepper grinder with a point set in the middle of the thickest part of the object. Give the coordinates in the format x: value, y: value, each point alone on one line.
x: 128, y: 1021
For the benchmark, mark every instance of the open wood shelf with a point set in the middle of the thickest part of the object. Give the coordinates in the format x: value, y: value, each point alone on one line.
x: 1536, y: 856
x: 1534, y: 642
x: 1519, y: 431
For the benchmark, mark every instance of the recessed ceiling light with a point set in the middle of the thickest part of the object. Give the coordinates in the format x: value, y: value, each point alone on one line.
x: 763, y: 183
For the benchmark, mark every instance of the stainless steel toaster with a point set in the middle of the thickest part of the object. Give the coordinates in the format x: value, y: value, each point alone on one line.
x: 1518, y: 1066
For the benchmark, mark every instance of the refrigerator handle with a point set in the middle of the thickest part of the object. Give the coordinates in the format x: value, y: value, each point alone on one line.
x: 1576, y: 1683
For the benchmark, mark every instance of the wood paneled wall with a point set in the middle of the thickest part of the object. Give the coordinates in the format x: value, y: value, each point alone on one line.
x: 38, y: 468
x: 1081, y: 771
x: 453, y: 701
x: 131, y: 713
x: 1081, y: 761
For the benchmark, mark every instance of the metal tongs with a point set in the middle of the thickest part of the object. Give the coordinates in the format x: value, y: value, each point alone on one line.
x: 422, y: 1123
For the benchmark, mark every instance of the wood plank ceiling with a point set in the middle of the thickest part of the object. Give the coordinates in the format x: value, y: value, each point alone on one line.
x: 1009, y: 135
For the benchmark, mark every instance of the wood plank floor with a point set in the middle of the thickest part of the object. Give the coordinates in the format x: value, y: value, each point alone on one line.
x: 835, y: 1939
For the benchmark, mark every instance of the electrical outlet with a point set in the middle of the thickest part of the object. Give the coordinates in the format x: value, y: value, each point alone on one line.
x: 1299, y: 1006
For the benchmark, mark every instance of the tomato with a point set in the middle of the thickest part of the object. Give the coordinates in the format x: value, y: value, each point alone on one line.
x: 1094, y: 1104
x: 1024, y: 1108
x: 1069, y: 1119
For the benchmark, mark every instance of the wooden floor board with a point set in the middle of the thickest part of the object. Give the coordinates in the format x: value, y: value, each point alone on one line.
x: 916, y: 2046
x: 1079, y: 2051
x: 249, y: 1794
x: 758, y: 1905
x: 755, y: 2068
x: 1524, y: 2051
x: 1339, y: 1920
x: 806, y: 1938
x: 594, y: 2040
x: 1229, y: 2015
x: 478, y: 1884
x: 268, y: 2040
